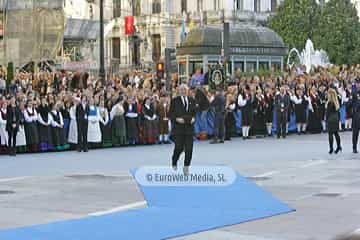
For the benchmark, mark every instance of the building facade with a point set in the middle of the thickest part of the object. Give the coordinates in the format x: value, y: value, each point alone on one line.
x: 159, y: 24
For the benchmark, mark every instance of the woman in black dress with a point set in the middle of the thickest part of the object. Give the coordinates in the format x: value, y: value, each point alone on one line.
x: 332, y: 119
x: 300, y: 105
x: 269, y: 109
x: 246, y: 104
x: 44, y: 126
x: 322, y: 103
x: 314, y: 125
x: 230, y: 128
x: 150, y: 123
x: 259, y: 127
x: 31, y: 127
x: 132, y: 119
x: 105, y: 123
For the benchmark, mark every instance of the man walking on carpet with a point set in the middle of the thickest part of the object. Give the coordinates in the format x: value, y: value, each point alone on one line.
x: 182, y: 115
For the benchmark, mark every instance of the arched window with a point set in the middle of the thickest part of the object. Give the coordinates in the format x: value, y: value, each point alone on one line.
x: 183, y: 6
x: 156, y: 6
x: 239, y: 5
x: 273, y: 5
x: 257, y: 7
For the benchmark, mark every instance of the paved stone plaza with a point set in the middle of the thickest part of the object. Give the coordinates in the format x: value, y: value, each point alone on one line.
x: 324, y: 189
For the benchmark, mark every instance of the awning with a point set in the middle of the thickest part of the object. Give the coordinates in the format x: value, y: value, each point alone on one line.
x: 80, y: 29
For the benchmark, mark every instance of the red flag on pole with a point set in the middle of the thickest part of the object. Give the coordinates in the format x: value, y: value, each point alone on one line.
x: 129, y: 25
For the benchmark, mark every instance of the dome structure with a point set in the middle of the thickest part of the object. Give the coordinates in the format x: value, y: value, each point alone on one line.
x: 245, y: 39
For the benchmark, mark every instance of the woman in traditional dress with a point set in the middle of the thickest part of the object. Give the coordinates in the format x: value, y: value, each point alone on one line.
x: 230, y: 128
x: 31, y: 129
x: 65, y: 111
x: 163, y: 124
x: 301, y: 104
x: 333, y: 119
x: 73, y: 132
x: 132, y: 120
x: 94, y: 131
x: 44, y: 126
x: 4, y: 137
x: 259, y: 128
x: 150, y: 123
x: 105, y: 124
x: 269, y: 110
x: 245, y: 102
x: 322, y: 103
x: 139, y: 106
x: 118, y: 125
x: 349, y: 108
x: 57, y: 128
x: 106, y: 129
x: 314, y: 124
x: 21, y: 137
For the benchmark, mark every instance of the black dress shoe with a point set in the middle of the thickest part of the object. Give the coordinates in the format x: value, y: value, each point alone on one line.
x: 355, y: 151
x: 222, y: 141
x: 331, y: 151
x: 339, y: 149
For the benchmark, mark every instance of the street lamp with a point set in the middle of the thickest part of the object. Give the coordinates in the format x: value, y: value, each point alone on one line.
x: 102, y: 74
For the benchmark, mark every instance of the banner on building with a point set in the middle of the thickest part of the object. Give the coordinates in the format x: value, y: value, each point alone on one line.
x: 129, y: 25
x: 170, y: 66
x: 80, y: 66
x: 217, y: 78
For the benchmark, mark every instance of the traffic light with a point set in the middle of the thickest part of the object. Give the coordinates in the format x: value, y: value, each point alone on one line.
x: 160, y: 70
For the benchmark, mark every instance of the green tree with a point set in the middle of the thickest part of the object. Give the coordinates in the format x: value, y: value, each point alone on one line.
x: 339, y: 32
x: 296, y: 21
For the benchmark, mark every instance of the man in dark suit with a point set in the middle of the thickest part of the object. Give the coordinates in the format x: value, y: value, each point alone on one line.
x: 12, y: 124
x: 82, y: 115
x: 282, y: 104
x: 355, y: 102
x: 182, y: 115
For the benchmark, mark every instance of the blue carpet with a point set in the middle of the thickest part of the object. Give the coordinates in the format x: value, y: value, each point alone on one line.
x: 172, y: 212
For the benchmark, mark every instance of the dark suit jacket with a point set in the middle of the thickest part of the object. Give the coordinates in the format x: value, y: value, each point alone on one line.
x: 12, y: 117
x: 219, y: 104
x: 356, y: 109
x: 282, y: 103
x: 82, y: 114
x: 177, y: 110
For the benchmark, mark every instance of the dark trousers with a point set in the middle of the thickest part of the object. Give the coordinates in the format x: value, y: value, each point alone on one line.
x: 82, y: 128
x: 183, y: 143
x: 281, y: 120
x: 355, y: 137
x: 219, y: 126
x: 331, y: 139
x: 12, y: 139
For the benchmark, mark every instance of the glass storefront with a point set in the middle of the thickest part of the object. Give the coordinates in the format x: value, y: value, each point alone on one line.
x: 250, y: 66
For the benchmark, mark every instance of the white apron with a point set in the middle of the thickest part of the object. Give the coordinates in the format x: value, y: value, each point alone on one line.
x: 94, y: 131
x: 73, y: 135
x: 20, y: 137
x: 4, y: 137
